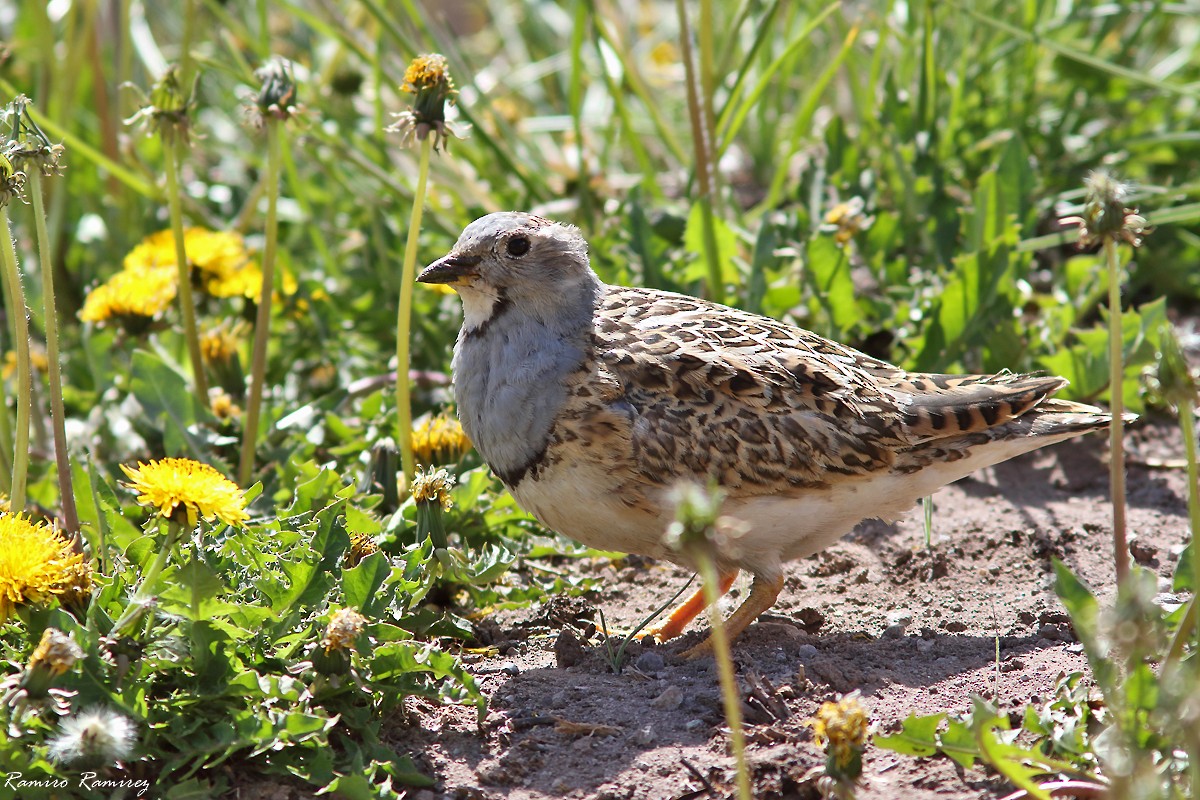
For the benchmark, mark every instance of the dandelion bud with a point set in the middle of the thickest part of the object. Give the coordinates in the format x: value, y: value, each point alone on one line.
x: 1171, y: 380
x: 29, y: 146
x: 380, y: 476
x: 276, y: 98
x: 698, y: 522
x: 166, y: 111
x: 12, y: 181
x: 431, y: 491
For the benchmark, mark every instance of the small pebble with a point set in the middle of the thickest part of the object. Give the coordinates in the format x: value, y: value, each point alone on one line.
x: 650, y: 661
x: 1142, y: 551
x: 1048, y: 631
x: 694, y: 724
x: 644, y: 735
x: 671, y: 698
x: 895, y: 631
x: 567, y: 649
x: 510, y: 668
x: 806, y: 651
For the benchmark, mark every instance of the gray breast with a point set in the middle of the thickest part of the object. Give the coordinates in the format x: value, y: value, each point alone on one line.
x: 509, y: 382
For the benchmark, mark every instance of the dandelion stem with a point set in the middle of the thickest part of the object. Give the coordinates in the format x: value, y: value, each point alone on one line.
x: 702, y: 143
x: 57, y: 411
x: 187, y: 307
x: 404, y: 317
x: 134, y: 609
x: 262, y: 325
x: 20, y: 321
x: 6, y: 439
x: 729, y: 692
x: 1117, y: 406
x: 1187, y: 421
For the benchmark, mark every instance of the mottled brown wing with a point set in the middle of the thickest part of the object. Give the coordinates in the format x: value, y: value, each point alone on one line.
x: 757, y: 404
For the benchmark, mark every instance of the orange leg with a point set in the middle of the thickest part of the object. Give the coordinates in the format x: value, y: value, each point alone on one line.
x: 763, y: 594
x: 688, y: 611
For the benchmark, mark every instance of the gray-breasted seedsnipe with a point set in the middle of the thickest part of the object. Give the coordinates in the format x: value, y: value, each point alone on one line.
x: 592, y: 402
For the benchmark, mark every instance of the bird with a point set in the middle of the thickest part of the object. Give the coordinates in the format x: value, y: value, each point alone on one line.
x: 593, y: 402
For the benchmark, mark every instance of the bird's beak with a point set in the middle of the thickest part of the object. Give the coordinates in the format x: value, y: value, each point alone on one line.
x: 451, y: 269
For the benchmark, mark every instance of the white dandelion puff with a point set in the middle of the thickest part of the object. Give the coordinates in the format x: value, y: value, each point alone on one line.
x: 96, y: 736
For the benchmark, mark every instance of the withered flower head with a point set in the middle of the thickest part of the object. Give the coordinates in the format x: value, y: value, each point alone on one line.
x: 276, y: 98
x: 12, y: 181
x: 361, y: 546
x: 167, y: 110
x: 55, y: 655
x: 1171, y: 380
x: 1105, y: 215
x: 343, y: 629
x: 427, y: 77
x: 841, y: 727
x: 28, y: 146
x: 433, y: 487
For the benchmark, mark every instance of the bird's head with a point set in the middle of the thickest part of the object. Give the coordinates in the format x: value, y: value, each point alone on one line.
x: 517, y: 261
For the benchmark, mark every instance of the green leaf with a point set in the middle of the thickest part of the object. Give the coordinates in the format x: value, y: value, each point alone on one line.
x: 917, y: 737
x: 829, y: 268
x: 1185, y: 570
x: 693, y: 242
x: 164, y: 395
x: 1018, y: 765
x: 360, y: 585
x: 192, y: 584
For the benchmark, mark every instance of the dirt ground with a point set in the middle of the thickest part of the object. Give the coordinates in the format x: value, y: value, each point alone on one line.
x: 914, y: 629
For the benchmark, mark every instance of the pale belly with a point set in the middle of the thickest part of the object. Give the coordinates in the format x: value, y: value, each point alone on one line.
x: 580, y: 500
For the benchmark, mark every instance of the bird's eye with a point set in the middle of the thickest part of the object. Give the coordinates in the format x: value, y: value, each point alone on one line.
x: 517, y: 246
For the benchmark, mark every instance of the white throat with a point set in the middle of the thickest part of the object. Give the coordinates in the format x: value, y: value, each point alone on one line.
x: 480, y: 304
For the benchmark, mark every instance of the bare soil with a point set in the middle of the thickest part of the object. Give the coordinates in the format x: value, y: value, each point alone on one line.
x: 914, y: 629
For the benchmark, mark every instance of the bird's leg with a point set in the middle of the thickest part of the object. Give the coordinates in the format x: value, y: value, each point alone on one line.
x: 763, y: 594
x: 689, y: 609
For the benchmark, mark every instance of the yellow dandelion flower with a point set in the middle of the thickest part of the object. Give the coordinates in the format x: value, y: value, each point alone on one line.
x: 429, y: 71
x: 841, y: 727
x: 56, y: 653
x: 212, y: 253
x: 433, y: 487
x: 141, y: 292
x: 37, y: 360
x: 344, y: 628
x: 427, y: 77
x: 361, y: 546
x: 846, y: 220
x: 200, y: 490
x: 438, y: 439
x: 223, y: 407
x: 218, y: 345
x: 244, y: 282
x: 35, y: 562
